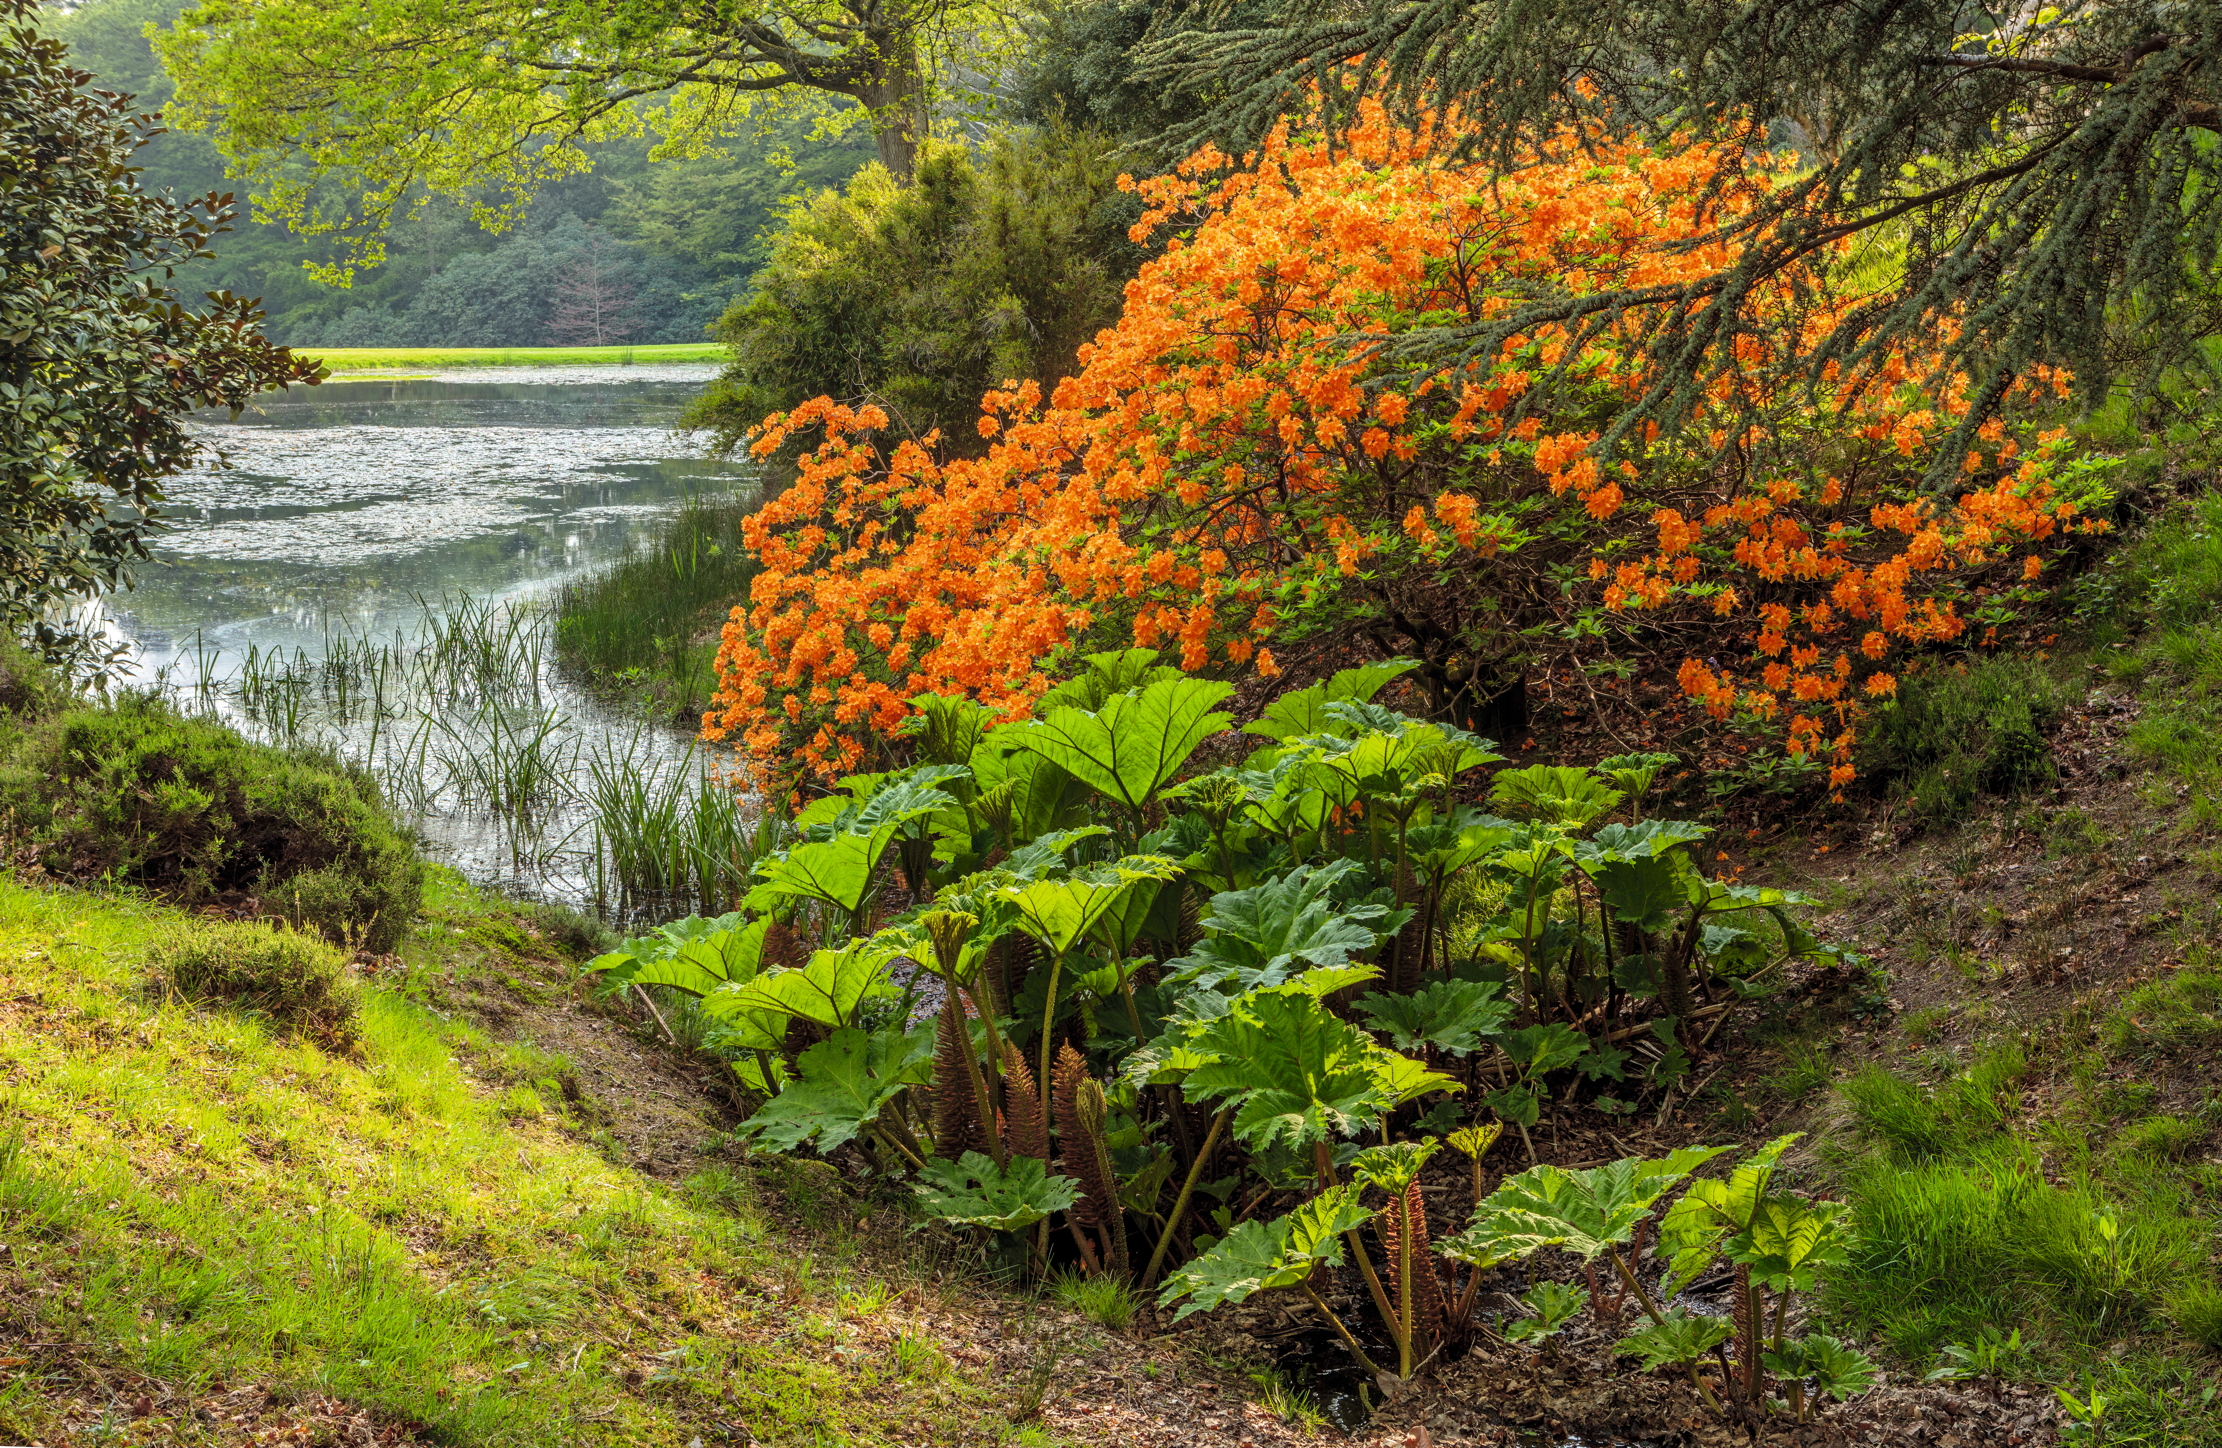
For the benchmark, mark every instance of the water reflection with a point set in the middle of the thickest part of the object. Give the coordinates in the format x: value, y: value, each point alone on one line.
x: 363, y: 511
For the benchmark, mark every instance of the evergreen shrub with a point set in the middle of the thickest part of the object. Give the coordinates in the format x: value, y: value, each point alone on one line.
x: 996, y: 264
x: 1956, y: 736
x: 135, y: 792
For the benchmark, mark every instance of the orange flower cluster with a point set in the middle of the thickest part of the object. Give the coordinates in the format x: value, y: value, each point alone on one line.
x: 1231, y: 452
x: 1839, y: 574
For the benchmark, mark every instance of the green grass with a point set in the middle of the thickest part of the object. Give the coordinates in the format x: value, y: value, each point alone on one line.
x: 426, y: 1227
x: 1104, y: 1300
x: 358, y: 359
x: 648, y: 622
x: 2087, y: 1228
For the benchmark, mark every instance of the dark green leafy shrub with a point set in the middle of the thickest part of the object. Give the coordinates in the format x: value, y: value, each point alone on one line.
x: 993, y: 265
x: 1956, y: 736
x: 103, y: 358
x: 292, y: 977
x: 186, y: 808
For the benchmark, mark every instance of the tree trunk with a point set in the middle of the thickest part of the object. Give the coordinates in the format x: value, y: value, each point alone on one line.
x: 897, y: 100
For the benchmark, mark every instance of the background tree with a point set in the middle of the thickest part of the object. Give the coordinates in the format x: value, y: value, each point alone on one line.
x: 686, y: 232
x: 99, y: 359
x: 339, y: 114
x: 593, y: 308
x: 996, y: 264
x: 2012, y: 175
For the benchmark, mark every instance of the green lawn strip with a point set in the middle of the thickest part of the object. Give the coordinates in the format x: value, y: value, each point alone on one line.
x: 2060, y: 1175
x: 357, y: 359
x: 191, y: 1199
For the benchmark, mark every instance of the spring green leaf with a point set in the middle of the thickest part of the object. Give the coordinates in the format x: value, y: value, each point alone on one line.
x: 1680, y: 1338
x: 1400, y: 1079
x: 704, y: 965
x: 838, y: 871
x: 1554, y: 1305
x: 1713, y: 1212
x: 1303, y: 711
x: 1553, y: 794
x: 1394, y: 1167
x: 1539, y: 1050
x: 1259, y: 1256
x: 1060, y: 913
x: 829, y: 989
x: 1835, y: 1368
x: 973, y: 1192
x: 1134, y: 745
x: 1294, y: 1072
x: 1262, y: 935
x: 840, y: 1086
x: 1450, y: 1014
x: 1584, y: 1212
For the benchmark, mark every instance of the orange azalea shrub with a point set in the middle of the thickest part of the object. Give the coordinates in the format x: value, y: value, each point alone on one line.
x: 1244, y: 461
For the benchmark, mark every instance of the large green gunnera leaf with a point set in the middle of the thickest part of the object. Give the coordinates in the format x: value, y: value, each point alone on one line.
x: 973, y: 1192
x: 827, y: 990
x: 1263, y: 935
x: 1453, y: 1015
x: 840, y: 1086
x: 1304, y: 711
x: 1259, y: 1256
x: 1061, y: 913
x: 1134, y: 745
x: 1294, y: 1073
x: 1584, y: 1212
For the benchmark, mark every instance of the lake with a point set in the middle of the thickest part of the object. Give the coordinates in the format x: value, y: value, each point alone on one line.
x: 370, y: 530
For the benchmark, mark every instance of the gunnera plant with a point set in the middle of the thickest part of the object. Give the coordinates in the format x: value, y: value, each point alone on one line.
x: 134, y: 792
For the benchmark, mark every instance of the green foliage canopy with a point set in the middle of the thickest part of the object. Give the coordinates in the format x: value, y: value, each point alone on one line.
x: 99, y: 358
x: 338, y: 113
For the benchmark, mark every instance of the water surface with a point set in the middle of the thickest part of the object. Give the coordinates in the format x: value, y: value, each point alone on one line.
x: 368, y: 508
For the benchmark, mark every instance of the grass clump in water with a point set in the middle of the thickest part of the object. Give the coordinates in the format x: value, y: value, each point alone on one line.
x: 648, y: 622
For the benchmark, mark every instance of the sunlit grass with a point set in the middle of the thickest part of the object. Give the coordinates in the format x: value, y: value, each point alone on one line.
x: 193, y: 1195
x: 356, y: 359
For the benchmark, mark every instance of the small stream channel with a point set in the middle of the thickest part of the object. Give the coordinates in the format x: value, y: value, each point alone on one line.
x: 373, y: 527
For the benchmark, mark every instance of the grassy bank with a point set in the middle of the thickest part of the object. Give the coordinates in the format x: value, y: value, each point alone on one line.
x: 648, y: 623
x: 2025, y: 1112
x: 221, y: 1229
x: 359, y: 359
